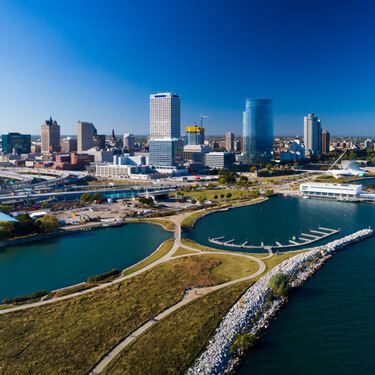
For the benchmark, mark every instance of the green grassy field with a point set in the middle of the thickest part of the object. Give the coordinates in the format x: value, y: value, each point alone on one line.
x: 165, y: 223
x: 182, y: 251
x: 170, y: 346
x: 69, y: 337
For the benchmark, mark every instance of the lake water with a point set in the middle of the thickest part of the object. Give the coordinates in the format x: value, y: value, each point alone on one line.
x: 328, y: 326
x: 71, y: 259
x: 279, y: 219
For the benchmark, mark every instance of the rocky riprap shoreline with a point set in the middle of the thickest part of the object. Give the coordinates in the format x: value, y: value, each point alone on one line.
x: 253, y: 311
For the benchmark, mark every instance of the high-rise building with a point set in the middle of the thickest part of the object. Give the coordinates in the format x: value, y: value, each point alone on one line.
x: 194, y: 135
x: 368, y: 144
x: 85, y: 136
x: 68, y: 145
x: 258, y: 131
x: 99, y: 141
x: 312, y: 135
x: 326, y: 141
x: 128, y: 141
x: 164, y: 115
x: 229, y: 141
x: 165, y: 152
x: 16, y: 142
x: 50, y: 132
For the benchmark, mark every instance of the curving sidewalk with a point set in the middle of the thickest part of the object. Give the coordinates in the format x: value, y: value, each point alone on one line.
x: 191, y: 295
x: 177, y: 220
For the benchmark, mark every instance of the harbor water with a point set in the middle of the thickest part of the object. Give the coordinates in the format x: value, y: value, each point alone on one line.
x: 63, y: 261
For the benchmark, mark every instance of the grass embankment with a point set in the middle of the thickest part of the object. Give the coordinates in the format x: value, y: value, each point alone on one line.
x: 172, y: 345
x: 165, y: 223
x: 164, y: 248
x: 183, y: 251
x: 71, y: 336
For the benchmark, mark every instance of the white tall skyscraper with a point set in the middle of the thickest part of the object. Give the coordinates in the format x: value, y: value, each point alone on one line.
x: 164, y: 115
x: 312, y: 135
x: 85, y: 136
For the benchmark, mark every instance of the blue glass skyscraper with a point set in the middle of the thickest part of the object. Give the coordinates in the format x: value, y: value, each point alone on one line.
x: 258, y: 131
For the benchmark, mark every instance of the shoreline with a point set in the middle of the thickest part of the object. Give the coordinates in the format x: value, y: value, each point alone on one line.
x: 226, y: 208
x: 253, y: 312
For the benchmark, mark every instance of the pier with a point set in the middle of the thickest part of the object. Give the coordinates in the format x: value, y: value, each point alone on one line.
x: 303, y: 239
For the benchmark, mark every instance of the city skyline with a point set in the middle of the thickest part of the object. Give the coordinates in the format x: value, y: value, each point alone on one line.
x: 103, y: 70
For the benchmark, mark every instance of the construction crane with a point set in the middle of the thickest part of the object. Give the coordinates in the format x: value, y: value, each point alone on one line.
x: 202, y: 117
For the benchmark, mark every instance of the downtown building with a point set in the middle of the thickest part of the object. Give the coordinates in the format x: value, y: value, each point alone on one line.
x: 16, y: 143
x: 86, y: 132
x: 312, y: 131
x: 50, y: 136
x: 258, y: 131
x: 165, y: 144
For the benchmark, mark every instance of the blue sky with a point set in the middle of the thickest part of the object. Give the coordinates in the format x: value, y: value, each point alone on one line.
x: 99, y: 61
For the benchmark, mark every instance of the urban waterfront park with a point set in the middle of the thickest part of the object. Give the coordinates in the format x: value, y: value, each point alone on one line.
x: 75, y: 334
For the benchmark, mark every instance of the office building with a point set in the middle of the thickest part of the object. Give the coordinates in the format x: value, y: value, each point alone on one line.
x: 16, y: 143
x: 258, y: 131
x: 128, y: 142
x: 312, y: 135
x: 68, y: 145
x: 50, y: 136
x: 326, y: 190
x: 165, y: 152
x: 194, y: 135
x: 218, y: 160
x: 85, y: 136
x: 368, y: 144
x: 164, y: 115
x: 229, y: 141
x: 326, y: 141
x: 99, y: 141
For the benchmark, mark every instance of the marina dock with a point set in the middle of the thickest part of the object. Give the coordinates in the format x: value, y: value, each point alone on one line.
x: 303, y: 239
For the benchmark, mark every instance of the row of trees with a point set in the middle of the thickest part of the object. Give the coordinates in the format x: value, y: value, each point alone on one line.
x: 26, y: 226
x: 90, y: 198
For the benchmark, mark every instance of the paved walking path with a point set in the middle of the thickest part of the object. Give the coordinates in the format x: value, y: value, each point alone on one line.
x: 191, y: 295
x: 177, y: 220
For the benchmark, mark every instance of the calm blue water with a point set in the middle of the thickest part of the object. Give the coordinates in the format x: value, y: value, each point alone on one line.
x: 71, y: 259
x: 279, y: 219
x: 328, y: 326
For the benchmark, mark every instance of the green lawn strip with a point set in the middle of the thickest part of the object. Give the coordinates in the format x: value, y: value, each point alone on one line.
x: 233, y: 267
x: 165, y: 223
x: 71, y: 336
x: 160, y: 252
x: 170, y: 346
x: 182, y: 251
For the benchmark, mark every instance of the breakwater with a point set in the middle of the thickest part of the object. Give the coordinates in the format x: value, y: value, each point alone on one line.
x: 248, y: 315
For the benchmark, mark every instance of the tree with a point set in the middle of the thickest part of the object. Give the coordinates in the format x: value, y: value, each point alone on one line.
x: 85, y: 198
x: 222, y: 195
x: 146, y: 201
x: 97, y: 197
x: 48, y: 224
x: 215, y: 196
x: 279, y: 284
x: 221, y: 180
x: 229, y: 195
